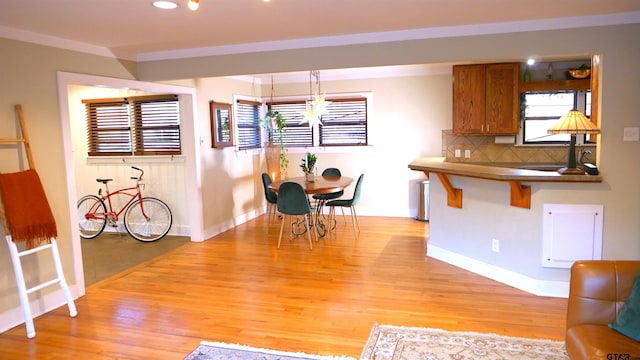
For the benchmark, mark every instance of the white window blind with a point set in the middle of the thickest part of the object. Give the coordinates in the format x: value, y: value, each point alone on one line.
x: 248, y: 124
x: 295, y: 134
x: 345, y: 123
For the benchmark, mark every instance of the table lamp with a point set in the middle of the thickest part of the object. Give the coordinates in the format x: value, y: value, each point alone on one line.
x: 574, y: 122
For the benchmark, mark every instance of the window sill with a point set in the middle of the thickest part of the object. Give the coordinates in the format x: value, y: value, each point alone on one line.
x: 135, y: 159
x: 329, y: 149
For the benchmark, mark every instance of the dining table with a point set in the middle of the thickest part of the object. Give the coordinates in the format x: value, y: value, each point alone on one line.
x: 322, y: 184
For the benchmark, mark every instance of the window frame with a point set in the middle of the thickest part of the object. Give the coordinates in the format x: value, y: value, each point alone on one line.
x: 579, y: 101
x: 315, y: 134
x: 247, y: 126
x: 360, y: 104
x: 148, y: 132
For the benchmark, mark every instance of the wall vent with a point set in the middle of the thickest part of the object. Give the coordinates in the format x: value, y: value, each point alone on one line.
x: 570, y: 233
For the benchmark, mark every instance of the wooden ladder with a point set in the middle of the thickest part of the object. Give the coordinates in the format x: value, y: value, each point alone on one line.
x: 17, y: 254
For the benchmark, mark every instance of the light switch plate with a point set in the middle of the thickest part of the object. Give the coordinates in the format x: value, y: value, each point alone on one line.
x: 467, y: 154
x: 631, y: 134
x: 457, y: 153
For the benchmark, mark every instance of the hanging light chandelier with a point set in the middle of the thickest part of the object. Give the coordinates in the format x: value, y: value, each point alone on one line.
x: 316, y: 106
x: 193, y: 4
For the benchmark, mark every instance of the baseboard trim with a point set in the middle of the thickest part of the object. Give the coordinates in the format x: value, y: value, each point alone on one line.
x: 228, y: 225
x: 39, y: 306
x: 508, y: 277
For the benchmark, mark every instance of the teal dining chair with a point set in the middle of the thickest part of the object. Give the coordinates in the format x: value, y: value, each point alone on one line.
x: 350, y: 203
x: 270, y: 196
x: 293, y: 201
x: 330, y: 196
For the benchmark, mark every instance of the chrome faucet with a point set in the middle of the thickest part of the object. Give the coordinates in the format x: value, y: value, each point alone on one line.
x: 582, y: 153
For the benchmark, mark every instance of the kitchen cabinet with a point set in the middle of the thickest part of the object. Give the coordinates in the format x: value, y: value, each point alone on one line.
x: 486, y: 99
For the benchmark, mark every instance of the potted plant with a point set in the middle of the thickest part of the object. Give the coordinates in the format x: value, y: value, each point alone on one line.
x: 275, y: 123
x: 307, y: 164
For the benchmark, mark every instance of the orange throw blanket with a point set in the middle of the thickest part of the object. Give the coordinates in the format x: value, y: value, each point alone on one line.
x: 27, y: 214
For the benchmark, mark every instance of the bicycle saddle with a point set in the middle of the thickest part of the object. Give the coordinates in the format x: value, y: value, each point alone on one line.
x: 104, y: 181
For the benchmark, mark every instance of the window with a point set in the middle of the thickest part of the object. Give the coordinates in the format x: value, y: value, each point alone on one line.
x: 345, y: 124
x: 542, y: 109
x: 248, y: 124
x: 137, y: 125
x: 295, y: 134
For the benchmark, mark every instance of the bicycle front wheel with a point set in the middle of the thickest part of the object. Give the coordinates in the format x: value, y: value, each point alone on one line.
x: 148, y: 219
x: 91, y: 216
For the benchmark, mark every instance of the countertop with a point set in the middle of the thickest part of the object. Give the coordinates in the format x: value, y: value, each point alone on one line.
x: 439, y: 165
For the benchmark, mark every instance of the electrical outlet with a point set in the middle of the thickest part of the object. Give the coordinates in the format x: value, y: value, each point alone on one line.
x: 457, y: 153
x: 495, y: 245
x: 631, y: 134
x: 467, y: 154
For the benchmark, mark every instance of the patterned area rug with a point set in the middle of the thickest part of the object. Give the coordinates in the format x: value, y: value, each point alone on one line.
x: 221, y: 351
x: 407, y: 343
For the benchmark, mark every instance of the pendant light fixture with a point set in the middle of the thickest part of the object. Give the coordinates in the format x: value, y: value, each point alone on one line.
x: 316, y: 106
x: 193, y: 4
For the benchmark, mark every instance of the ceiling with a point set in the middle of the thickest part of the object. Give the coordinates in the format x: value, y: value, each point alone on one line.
x: 134, y: 29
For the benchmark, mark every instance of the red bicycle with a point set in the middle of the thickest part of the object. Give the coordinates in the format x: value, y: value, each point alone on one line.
x: 145, y: 218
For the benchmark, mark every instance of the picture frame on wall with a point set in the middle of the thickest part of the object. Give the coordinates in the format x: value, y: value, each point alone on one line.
x: 221, y: 124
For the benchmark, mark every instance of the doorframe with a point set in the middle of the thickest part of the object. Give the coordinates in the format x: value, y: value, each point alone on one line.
x: 190, y: 147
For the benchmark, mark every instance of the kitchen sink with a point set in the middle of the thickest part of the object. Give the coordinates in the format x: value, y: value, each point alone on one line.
x: 541, y: 167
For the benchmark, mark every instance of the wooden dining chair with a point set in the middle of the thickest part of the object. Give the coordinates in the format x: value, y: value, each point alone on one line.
x: 293, y: 201
x: 350, y: 203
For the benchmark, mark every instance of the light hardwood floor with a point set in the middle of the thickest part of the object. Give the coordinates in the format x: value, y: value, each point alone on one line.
x: 238, y: 288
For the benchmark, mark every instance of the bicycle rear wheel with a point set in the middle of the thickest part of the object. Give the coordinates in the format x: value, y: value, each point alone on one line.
x: 148, y: 220
x: 91, y: 216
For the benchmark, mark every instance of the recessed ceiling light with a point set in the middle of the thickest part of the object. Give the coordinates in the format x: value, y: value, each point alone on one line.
x: 168, y: 5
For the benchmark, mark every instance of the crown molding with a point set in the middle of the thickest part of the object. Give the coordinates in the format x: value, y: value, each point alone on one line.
x: 353, y: 39
x: 401, y: 35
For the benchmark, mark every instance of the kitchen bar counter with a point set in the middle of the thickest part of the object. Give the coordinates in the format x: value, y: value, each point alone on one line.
x: 520, y: 194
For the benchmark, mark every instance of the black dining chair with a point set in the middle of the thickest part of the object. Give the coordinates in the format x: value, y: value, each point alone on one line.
x: 270, y: 196
x: 293, y: 201
x: 350, y: 203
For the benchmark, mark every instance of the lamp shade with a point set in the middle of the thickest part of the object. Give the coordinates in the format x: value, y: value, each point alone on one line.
x: 574, y: 122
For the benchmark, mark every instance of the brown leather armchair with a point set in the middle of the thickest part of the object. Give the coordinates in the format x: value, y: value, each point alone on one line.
x: 598, y: 290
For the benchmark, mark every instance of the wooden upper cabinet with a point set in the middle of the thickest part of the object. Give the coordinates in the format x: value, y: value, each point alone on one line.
x: 468, y: 99
x: 486, y: 99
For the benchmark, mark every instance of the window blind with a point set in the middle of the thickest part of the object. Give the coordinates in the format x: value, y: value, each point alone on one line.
x: 295, y: 134
x: 248, y: 124
x: 140, y: 125
x: 345, y: 123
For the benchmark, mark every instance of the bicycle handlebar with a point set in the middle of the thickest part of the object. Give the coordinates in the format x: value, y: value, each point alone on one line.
x: 141, y: 173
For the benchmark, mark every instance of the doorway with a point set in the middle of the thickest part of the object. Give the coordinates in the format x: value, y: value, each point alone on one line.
x: 190, y: 149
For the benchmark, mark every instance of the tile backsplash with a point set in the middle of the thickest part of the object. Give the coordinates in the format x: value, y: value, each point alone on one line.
x: 483, y: 149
